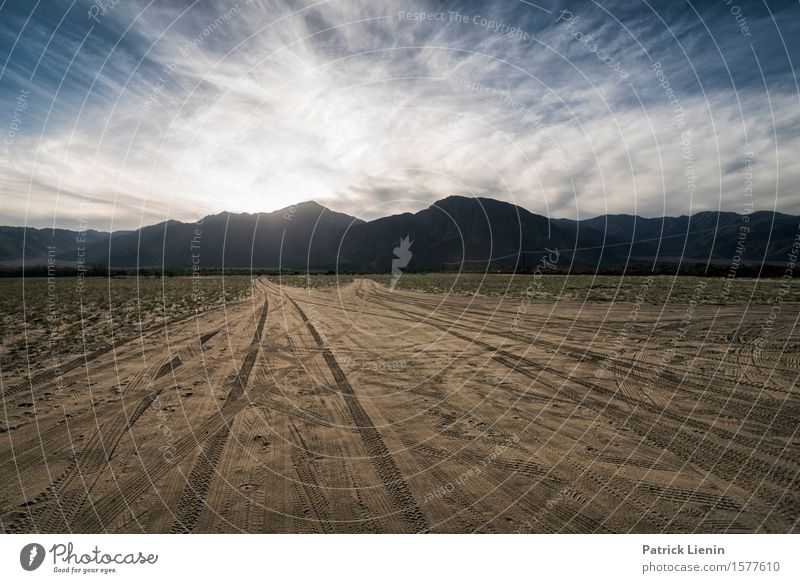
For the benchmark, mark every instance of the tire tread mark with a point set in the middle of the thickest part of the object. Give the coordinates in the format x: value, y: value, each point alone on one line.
x: 198, y: 484
x: 371, y: 439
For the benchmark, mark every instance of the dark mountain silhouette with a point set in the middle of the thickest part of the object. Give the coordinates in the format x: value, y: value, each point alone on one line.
x: 288, y: 238
x: 713, y: 237
x: 454, y: 233
x: 29, y: 244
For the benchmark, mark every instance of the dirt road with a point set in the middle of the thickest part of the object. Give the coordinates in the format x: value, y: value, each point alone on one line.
x: 361, y: 409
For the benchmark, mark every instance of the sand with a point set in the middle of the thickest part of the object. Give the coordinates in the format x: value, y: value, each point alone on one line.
x: 367, y: 410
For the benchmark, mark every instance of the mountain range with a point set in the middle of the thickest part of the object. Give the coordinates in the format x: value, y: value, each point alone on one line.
x: 454, y: 233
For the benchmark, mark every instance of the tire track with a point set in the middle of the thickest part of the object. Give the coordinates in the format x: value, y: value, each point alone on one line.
x: 49, y: 375
x: 113, y: 504
x: 681, y: 438
x: 98, y: 452
x: 199, y: 481
x: 371, y: 439
x: 315, y: 500
x: 782, y: 418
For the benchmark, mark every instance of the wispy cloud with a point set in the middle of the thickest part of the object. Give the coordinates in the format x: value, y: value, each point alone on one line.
x: 256, y: 106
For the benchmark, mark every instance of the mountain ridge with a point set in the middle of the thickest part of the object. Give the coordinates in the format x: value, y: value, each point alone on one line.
x: 454, y: 232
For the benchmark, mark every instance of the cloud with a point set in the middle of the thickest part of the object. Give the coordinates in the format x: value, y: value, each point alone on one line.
x: 256, y: 106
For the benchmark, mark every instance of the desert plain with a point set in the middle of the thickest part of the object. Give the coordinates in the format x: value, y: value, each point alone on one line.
x: 347, y: 406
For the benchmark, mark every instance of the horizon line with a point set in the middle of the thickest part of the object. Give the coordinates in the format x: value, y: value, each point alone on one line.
x: 311, y: 201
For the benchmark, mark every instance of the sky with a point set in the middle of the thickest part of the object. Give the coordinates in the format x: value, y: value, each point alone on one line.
x: 124, y: 113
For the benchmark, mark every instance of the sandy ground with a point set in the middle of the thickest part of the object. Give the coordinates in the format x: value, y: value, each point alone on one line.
x: 363, y: 409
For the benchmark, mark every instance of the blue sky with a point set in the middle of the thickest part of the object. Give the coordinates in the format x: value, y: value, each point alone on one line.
x: 145, y: 111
